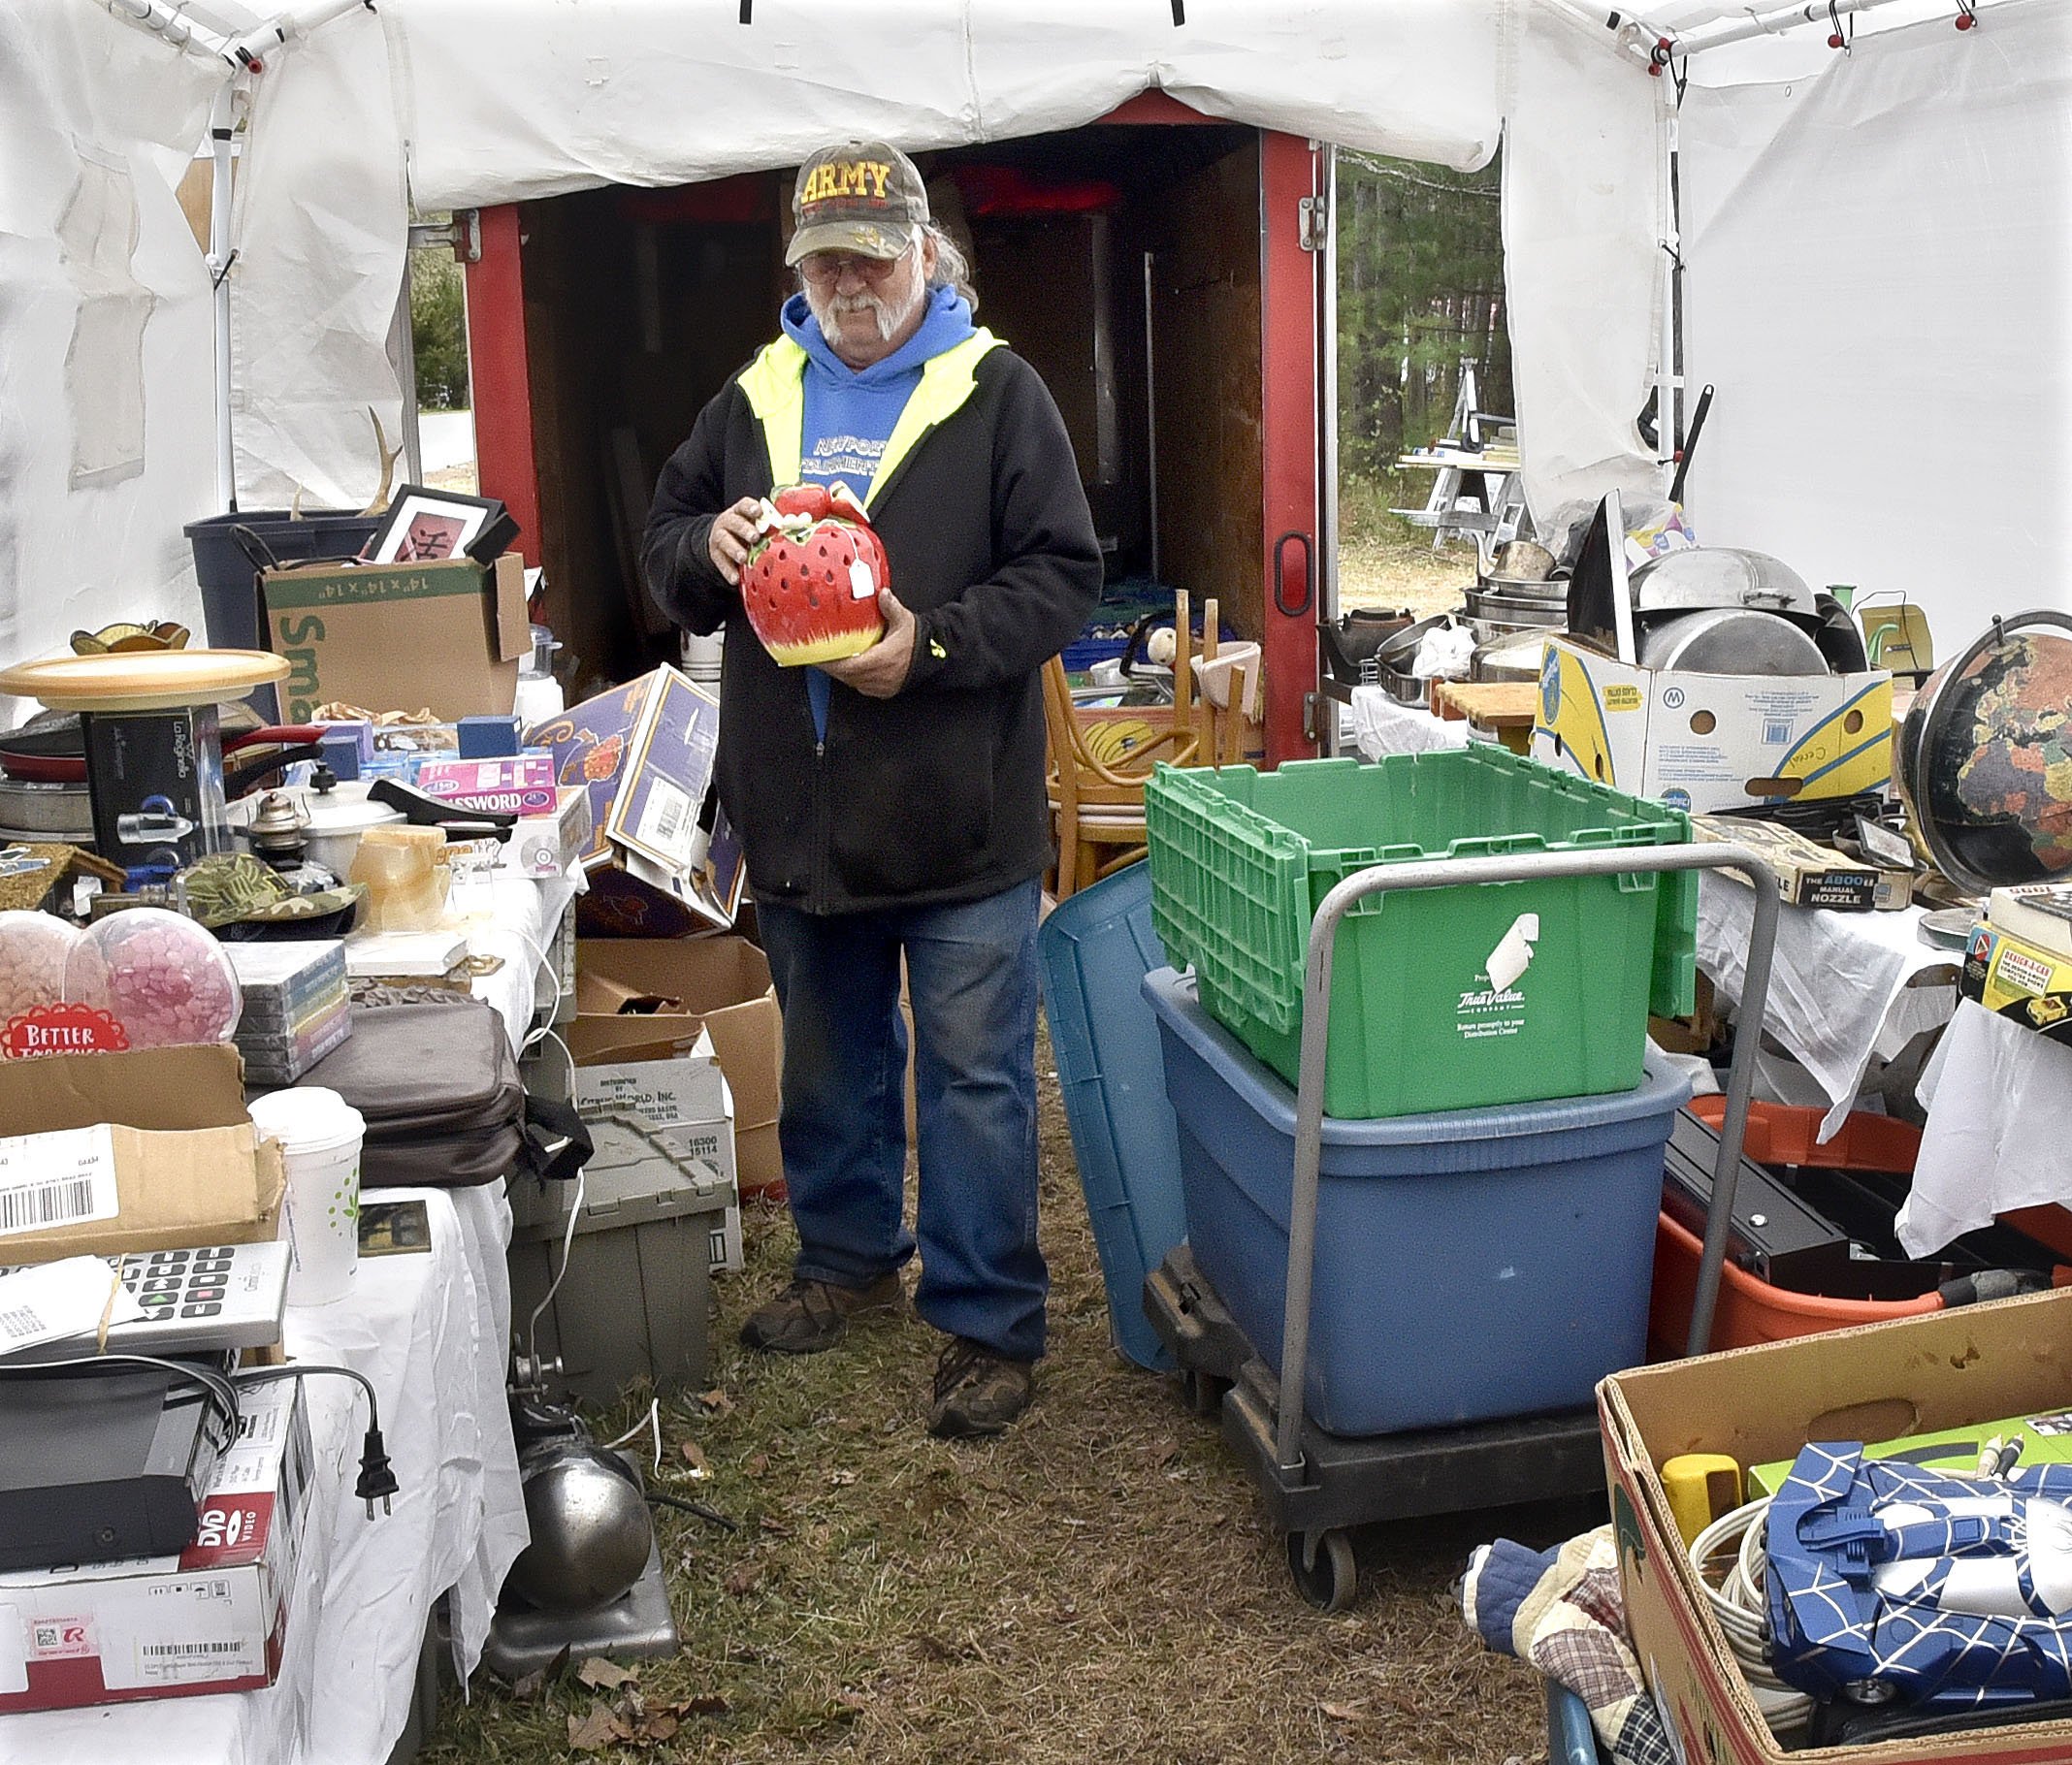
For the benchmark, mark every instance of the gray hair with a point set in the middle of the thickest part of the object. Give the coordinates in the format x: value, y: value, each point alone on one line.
x: 952, y: 270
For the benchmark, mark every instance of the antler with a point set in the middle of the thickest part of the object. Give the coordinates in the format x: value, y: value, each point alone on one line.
x: 389, y: 456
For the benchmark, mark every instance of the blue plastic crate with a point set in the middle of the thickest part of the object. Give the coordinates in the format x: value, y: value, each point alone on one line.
x: 1470, y: 1264
x: 1095, y: 951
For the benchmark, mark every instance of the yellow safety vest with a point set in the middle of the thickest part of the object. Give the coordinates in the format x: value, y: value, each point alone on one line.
x: 775, y: 386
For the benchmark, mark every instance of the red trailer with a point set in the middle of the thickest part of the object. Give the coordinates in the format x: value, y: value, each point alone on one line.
x: 1167, y: 273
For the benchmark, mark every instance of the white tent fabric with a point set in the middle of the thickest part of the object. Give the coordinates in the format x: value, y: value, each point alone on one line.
x: 1939, y: 160
x: 105, y: 339
x: 1581, y: 217
x: 1878, y: 270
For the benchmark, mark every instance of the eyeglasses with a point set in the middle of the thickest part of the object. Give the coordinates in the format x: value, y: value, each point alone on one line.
x: 828, y: 266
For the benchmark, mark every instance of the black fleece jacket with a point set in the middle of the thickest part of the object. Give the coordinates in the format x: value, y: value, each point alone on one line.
x: 937, y: 793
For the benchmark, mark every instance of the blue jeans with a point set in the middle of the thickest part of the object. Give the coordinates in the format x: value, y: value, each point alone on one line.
x: 971, y: 977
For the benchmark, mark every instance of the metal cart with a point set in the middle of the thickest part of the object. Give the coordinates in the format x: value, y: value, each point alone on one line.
x: 1318, y: 1486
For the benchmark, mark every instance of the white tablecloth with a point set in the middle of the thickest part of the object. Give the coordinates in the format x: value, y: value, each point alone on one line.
x: 1382, y: 725
x: 432, y: 1331
x: 1999, y: 1133
x: 1839, y: 990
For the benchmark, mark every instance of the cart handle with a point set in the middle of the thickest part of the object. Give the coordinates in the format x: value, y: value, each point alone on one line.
x: 1449, y: 873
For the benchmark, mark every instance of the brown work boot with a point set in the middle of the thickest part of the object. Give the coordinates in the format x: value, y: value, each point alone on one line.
x: 810, y: 1315
x: 977, y: 1392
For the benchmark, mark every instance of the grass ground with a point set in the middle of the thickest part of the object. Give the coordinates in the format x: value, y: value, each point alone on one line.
x: 1096, y: 1585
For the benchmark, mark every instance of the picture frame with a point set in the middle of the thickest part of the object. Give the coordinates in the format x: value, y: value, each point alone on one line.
x: 426, y: 526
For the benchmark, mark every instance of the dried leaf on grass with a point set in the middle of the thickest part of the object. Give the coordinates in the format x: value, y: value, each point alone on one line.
x: 742, y: 1579
x: 605, y: 1675
x: 758, y: 1465
x: 840, y: 1480
x: 716, y: 1403
x: 693, y: 1456
x: 600, y: 1729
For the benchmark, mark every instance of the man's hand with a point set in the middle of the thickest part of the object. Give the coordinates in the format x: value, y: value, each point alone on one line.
x: 882, y: 669
x: 734, y: 532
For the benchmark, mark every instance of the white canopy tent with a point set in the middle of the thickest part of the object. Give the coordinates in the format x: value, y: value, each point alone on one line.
x: 1874, y: 239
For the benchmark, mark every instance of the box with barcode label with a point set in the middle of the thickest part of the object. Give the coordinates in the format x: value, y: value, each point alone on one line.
x: 212, y: 1619
x: 1703, y: 742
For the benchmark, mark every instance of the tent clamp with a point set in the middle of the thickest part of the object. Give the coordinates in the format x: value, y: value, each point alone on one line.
x: 461, y: 233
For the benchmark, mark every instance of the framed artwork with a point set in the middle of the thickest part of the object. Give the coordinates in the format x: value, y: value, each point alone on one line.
x: 429, y: 526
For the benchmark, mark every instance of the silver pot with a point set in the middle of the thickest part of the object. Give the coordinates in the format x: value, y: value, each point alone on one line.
x: 1513, y: 658
x: 1516, y: 609
x: 1719, y: 576
x: 333, y: 822
x: 1393, y: 659
x: 1729, y: 640
x: 1524, y: 587
x: 590, y: 1526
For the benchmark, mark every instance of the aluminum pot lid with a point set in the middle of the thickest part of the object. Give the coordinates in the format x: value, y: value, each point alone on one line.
x: 1724, y: 640
x: 1720, y: 576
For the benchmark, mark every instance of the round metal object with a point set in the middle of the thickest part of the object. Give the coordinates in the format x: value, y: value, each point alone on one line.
x: 278, y: 828
x: 589, y: 1525
x: 45, y: 812
x: 1725, y: 640
x: 142, y: 681
x: 1525, y: 561
x: 1517, y: 657
x: 1719, y: 576
x: 1524, y: 587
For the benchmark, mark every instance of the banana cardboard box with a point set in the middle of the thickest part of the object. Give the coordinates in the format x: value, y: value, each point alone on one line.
x: 1702, y: 742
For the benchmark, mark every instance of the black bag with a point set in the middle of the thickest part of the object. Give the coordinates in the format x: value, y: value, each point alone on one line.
x: 445, y: 1107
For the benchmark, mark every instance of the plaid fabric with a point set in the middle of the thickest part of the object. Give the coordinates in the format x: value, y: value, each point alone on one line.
x: 1560, y: 1611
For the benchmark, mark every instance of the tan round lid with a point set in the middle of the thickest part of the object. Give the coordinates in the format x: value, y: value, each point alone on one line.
x: 143, y: 680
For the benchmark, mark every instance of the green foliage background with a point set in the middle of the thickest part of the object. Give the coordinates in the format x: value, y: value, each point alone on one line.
x: 1420, y: 257
x: 439, y: 331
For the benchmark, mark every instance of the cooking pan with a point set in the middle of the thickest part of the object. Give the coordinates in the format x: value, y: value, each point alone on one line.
x: 52, y: 754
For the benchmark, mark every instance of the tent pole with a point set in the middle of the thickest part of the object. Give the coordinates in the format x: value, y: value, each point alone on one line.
x: 170, y: 22
x: 220, y: 261
x: 1767, y: 24
x: 1671, y: 246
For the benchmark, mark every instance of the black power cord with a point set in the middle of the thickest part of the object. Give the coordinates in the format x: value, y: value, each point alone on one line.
x: 377, y: 1478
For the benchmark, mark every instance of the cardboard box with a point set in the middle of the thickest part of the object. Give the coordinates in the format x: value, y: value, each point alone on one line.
x: 662, y: 860
x: 169, y: 1158
x: 1914, y: 1375
x: 212, y: 1619
x: 521, y: 784
x: 1808, y: 874
x: 545, y: 846
x: 1712, y: 741
x: 2013, y: 977
x: 723, y: 987
x: 398, y: 636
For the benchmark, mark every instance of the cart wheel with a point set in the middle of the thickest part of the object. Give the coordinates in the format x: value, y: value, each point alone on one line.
x: 1330, y: 1581
x: 1202, y: 1393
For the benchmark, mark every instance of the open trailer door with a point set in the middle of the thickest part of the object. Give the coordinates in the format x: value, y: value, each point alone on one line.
x: 1299, y: 433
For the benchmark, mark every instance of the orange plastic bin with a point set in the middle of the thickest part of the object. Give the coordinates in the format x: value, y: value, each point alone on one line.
x: 1751, y: 1310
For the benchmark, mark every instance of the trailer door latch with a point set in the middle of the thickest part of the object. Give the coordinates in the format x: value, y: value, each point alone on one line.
x: 461, y: 233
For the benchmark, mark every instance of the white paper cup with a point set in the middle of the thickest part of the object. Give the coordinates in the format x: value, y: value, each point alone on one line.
x: 319, y: 1134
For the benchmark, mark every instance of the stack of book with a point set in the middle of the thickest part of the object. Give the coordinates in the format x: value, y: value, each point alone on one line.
x: 298, y: 1006
x: 2018, y: 962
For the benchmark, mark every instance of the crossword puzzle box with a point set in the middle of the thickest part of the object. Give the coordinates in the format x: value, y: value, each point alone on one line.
x: 1913, y: 1375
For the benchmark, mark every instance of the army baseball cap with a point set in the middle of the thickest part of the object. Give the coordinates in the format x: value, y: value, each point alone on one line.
x: 863, y: 196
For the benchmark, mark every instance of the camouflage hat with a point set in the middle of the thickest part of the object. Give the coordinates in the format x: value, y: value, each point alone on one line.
x: 863, y: 196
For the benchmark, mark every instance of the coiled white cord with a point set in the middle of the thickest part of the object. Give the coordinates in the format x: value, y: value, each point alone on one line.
x: 1738, y: 1602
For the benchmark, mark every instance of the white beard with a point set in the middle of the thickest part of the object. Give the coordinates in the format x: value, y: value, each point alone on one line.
x: 828, y: 309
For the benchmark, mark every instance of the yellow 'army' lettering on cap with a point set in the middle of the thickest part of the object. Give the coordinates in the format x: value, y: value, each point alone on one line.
x: 852, y: 177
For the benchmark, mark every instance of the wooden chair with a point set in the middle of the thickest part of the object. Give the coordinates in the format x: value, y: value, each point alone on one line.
x: 1096, y: 795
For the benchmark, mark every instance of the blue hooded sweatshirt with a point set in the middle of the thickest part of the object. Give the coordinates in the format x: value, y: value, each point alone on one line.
x: 850, y: 413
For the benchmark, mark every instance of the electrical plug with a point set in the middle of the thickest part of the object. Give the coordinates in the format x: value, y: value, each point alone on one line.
x: 376, y: 1477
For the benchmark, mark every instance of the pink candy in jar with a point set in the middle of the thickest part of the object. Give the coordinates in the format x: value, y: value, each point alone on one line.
x: 161, y: 976
x: 33, y: 951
